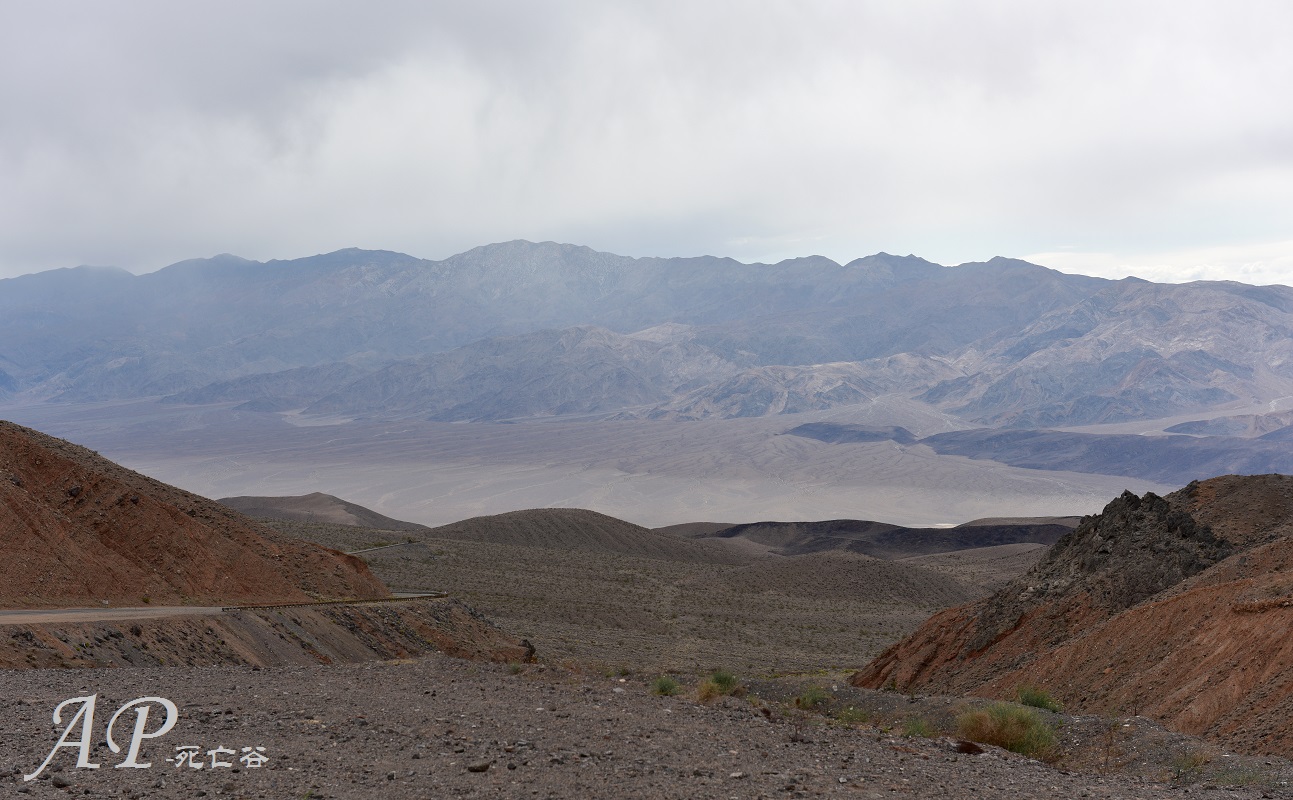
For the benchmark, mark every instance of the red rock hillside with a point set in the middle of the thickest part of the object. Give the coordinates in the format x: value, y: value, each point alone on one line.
x: 1177, y: 608
x: 77, y: 529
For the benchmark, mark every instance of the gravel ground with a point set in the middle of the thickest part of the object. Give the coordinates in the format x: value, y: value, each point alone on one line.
x: 441, y: 727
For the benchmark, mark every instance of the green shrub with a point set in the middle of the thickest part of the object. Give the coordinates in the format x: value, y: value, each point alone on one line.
x: 853, y: 716
x: 1038, y: 698
x: 1013, y: 727
x: 725, y: 681
x: 664, y: 686
x: 914, y: 727
x: 812, y: 698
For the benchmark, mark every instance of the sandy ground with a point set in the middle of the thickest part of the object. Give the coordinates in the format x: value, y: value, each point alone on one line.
x: 649, y: 473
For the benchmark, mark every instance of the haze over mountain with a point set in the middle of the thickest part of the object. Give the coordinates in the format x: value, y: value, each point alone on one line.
x: 523, y: 331
x: 502, y: 330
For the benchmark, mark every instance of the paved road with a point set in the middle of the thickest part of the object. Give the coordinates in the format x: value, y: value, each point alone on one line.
x: 39, y: 616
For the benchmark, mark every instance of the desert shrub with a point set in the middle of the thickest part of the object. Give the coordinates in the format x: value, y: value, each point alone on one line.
x: 853, y: 716
x: 1038, y: 698
x: 725, y: 681
x: 914, y: 727
x: 664, y: 686
x: 515, y: 668
x: 708, y: 690
x: 812, y: 698
x: 1187, y: 766
x: 1007, y: 725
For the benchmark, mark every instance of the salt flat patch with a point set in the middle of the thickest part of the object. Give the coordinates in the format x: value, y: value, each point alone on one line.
x: 652, y: 473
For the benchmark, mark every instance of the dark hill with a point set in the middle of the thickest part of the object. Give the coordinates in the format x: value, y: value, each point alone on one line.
x: 882, y: 540
x: 581, y: 530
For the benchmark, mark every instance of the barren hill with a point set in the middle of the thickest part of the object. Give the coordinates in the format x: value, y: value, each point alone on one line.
x: 317, y: 507
x: 1178, y: 608
x: 883, y: 540
x: 77, y: 529
x: 576, y: 529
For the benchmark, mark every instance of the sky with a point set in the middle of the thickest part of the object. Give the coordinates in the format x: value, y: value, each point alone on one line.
x: 1105, y: 138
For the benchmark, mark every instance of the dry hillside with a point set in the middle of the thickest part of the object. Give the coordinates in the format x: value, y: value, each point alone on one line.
x: 316, y: 507
x: 1179, y: 608
x: 77, y: 529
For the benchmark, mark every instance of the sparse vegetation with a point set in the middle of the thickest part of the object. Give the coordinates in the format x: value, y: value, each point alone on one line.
x: 918, y: 727
x: 515, y: 668
x: 813, y: 698
x: 1037, y: 698
x: 725, y: 681
x: 852, y: 716
x: 1188, y: 764
x: 664, y: 686
x: 1011, y: 726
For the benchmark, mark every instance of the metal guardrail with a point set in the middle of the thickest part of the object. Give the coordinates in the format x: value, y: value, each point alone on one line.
x: 425, y: 596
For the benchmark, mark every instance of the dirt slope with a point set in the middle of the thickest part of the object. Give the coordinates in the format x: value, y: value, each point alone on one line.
x: 851, y: 576
x: 317, y: 507
x: 77, y: 529
x: 1178, y: 608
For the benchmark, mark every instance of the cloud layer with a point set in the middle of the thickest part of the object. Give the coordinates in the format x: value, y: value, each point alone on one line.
x: 1109, y: 137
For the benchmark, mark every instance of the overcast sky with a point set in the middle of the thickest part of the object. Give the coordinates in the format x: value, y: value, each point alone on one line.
x: 1111, y: 138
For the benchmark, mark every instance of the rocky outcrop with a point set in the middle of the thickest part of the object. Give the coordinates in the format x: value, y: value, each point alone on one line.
x: 1178, y: 608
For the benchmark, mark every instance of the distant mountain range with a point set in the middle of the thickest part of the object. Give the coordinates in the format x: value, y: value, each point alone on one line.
x: 520, y: 329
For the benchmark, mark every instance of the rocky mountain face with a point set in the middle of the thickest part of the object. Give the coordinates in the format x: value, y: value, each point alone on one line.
x: 78, y: 530
x: 1174, y: 607
x: 522, y: 329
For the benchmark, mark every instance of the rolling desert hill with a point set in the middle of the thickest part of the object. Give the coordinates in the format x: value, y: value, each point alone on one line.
x: 583, y: 531
x: 1176, y: 607
x: 79, y: 530
x: 597, y: 590
x: 890, y: 542
x: 316, y: 507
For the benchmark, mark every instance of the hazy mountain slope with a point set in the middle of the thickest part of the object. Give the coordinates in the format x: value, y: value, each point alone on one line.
x: 1002, y: 342
x: 208, y: 320
x: 274, y: 391
x: 77, y: 529
x: 764, y: 391
x: 551, y: 372
x: 1133, y: 350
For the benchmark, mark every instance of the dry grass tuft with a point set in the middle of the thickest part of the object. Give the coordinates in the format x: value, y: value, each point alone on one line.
x: 1013, y: 727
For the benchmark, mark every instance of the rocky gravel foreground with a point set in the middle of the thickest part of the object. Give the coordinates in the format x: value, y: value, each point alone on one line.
x: 440, y: 727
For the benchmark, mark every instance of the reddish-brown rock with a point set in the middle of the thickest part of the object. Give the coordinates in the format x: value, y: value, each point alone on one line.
x: 1178, y: 608
x: 77, y: 529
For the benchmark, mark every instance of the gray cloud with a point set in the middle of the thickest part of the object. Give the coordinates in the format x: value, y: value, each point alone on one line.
x: 1134, y: 135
